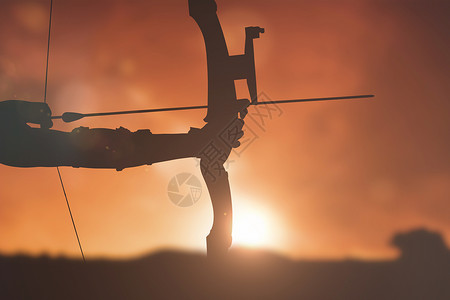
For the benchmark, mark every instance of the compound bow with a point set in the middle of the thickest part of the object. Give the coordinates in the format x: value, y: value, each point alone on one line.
x: 222, y: 115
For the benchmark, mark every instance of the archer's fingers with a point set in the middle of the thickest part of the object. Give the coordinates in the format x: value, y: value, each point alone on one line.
x: 46, y: 124
x: 242, y: 105
x: 240, y: 135
x: 243, y: 113
x: 42, y: 115
x: 239, y: 123
x: 32, y: 112
x: 237, y: 143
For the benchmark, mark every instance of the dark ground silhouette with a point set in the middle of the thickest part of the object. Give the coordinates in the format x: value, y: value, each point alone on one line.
x: 424, y: 273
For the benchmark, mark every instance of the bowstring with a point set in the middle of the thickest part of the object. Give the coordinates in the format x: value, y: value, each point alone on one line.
x: 45, y: 101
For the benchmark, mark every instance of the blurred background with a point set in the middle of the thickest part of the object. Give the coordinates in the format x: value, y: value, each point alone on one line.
x: 314, y: 180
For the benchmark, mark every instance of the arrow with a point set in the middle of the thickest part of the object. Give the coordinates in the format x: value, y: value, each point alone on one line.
x: 69, y: 117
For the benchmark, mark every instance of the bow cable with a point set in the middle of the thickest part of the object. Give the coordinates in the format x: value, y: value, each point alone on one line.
x: 45, y: 101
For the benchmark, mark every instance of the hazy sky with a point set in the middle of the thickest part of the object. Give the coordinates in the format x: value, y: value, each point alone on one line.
x: 330, y: 179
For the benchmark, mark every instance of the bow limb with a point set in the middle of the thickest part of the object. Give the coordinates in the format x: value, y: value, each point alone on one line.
x: 221, y: 112
x: 221, y: 88
x: 216, y: 179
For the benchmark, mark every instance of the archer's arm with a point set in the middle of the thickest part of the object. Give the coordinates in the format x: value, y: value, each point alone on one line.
x: 24, y: 146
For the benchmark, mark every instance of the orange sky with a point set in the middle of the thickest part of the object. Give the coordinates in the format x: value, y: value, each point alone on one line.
x: 335, y: 179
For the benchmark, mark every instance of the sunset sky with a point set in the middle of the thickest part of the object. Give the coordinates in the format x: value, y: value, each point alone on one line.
x: 324, y: 180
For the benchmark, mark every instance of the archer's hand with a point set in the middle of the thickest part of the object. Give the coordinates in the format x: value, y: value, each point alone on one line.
x: 19, y: 111
x: 242, y: 107
x: 220, y: 136
x: 229, y: 130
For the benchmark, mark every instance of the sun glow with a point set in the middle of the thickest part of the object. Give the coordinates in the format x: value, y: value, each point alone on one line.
x: 250, y: 229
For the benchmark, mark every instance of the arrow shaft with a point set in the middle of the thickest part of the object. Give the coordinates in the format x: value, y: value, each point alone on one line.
x: 141, y: 111
x: 313, y: 99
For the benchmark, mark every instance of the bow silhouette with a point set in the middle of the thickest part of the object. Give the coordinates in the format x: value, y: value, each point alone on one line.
x: 222, y: 115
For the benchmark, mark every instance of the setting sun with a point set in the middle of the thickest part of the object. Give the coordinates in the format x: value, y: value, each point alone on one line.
x: 250, y: 229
